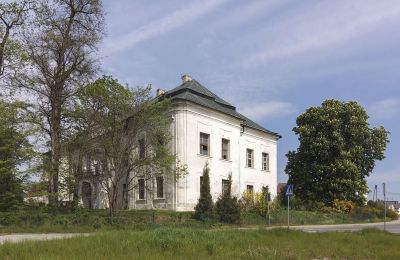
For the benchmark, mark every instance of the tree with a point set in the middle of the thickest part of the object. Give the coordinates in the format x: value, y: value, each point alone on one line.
x: 337, y: 152
x: 61, y: 46
x: 204, y: 209
x: 127, y: 132
x: 227, y: 208
x: 14, y: 151
x: 12, y: 16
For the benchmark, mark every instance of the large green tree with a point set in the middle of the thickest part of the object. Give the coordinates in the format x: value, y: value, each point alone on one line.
x: 337, y: 151
x: 126, y: 131
x: 15, y: 150
x: 61, y: 47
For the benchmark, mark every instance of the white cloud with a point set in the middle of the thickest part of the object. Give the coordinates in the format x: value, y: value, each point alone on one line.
x: 268, y: 110
x: 321, y: 26
x: 163, y: 25
x: 386, y: 108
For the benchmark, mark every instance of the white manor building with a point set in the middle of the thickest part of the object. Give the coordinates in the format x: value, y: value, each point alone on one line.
x: 205, y: 129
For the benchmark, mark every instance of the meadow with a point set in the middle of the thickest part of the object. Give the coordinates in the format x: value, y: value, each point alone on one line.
x: 82, y: 220
x: 190, y: 243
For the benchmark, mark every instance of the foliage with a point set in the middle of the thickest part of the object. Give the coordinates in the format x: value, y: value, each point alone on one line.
x: 376, y: 209
x: 126, y: 132
x: 256, y: 202
x: 60, y: 44
x: 12, y: 17
x: 343, y: 206
x: 14, y: 150
x: 337, y: 152
x: 227, y: 208
x: 204, y: 210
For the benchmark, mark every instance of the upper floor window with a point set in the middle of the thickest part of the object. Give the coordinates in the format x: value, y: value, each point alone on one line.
x: 142, y: 149
x: 250, y: 158
x: 265, y: 162
x: 225, y: 149
x: 204, y: 144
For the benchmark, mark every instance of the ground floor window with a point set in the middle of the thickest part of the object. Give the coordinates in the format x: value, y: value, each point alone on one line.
x: 250, y: 188
x: 141, y: 189
x: 160, y: 187
x: 225, y: 186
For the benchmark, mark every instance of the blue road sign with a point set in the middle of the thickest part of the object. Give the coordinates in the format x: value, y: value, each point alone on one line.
x: 289, y: 190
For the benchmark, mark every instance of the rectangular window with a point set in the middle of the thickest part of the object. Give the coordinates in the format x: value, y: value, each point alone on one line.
x: 249, y: 158
x: 225, y: 186
x: 265, y: 162
x: 250, y: 188
x: 141, y: 189
x: 160, y: 187
x: 142, y: 149
x: 204, y: 144
x: 225, y: 149
x: 125, y: 195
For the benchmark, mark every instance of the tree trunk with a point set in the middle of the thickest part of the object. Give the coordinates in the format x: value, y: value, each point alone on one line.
x: 55, y: 136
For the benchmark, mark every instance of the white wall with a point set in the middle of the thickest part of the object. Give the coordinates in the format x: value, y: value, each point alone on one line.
x: 189, y: 121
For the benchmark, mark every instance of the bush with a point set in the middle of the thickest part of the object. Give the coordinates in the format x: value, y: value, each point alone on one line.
x: 343, y: 206
x: 227, y: 207
x: 256, y: 202
x: 204, y: 209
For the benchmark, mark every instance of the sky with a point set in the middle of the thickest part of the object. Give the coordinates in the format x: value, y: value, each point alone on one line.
x: 272, y: 59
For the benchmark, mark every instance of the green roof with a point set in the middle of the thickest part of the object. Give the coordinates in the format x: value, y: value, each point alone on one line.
x: 193, y: 91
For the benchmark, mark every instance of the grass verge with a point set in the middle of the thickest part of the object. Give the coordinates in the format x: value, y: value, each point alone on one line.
x: 189, y: 243
x: 42, y: 221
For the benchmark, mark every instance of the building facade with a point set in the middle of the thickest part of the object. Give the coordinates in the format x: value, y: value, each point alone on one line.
x: 207, y: 129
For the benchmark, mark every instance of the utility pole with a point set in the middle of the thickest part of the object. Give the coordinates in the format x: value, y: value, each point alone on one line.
x: 384, y: 200
x: 375, y: 196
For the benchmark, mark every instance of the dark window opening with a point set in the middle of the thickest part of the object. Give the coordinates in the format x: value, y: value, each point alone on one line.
x: 204, y: 144
x: 160, y: 187
x: 141, y: 189
x: 225, y: 149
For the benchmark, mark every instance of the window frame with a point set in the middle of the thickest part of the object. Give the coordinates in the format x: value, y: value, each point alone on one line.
x: 250, y: 188
x: 250, y: 159
x: 228, y: 149
x: 158, y: 186
x: 201, y: 138
x: 224, y: 183
x: 142, y: 148
x: 141, y: 189
x: 265, y: 161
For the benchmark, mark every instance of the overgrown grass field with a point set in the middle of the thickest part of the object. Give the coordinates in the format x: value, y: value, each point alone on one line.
x: 34, y: 221
x: 188, y: 243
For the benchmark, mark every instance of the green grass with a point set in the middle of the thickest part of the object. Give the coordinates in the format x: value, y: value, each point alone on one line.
x: 188, y: 243
x: 41, y: 220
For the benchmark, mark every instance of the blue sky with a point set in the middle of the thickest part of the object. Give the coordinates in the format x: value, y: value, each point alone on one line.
x: 271, y: 59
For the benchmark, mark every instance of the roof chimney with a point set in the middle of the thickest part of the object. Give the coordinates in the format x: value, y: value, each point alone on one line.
x: 160, y: 92
x: 186, y: 78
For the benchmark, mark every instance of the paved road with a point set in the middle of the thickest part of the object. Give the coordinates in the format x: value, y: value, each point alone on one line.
x: 22, y: 237
x: 393, y: 227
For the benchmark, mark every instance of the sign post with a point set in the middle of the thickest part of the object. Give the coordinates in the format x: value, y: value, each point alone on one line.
x: 289, y: 192
x: 384, y: 201
x: 268, y: 198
